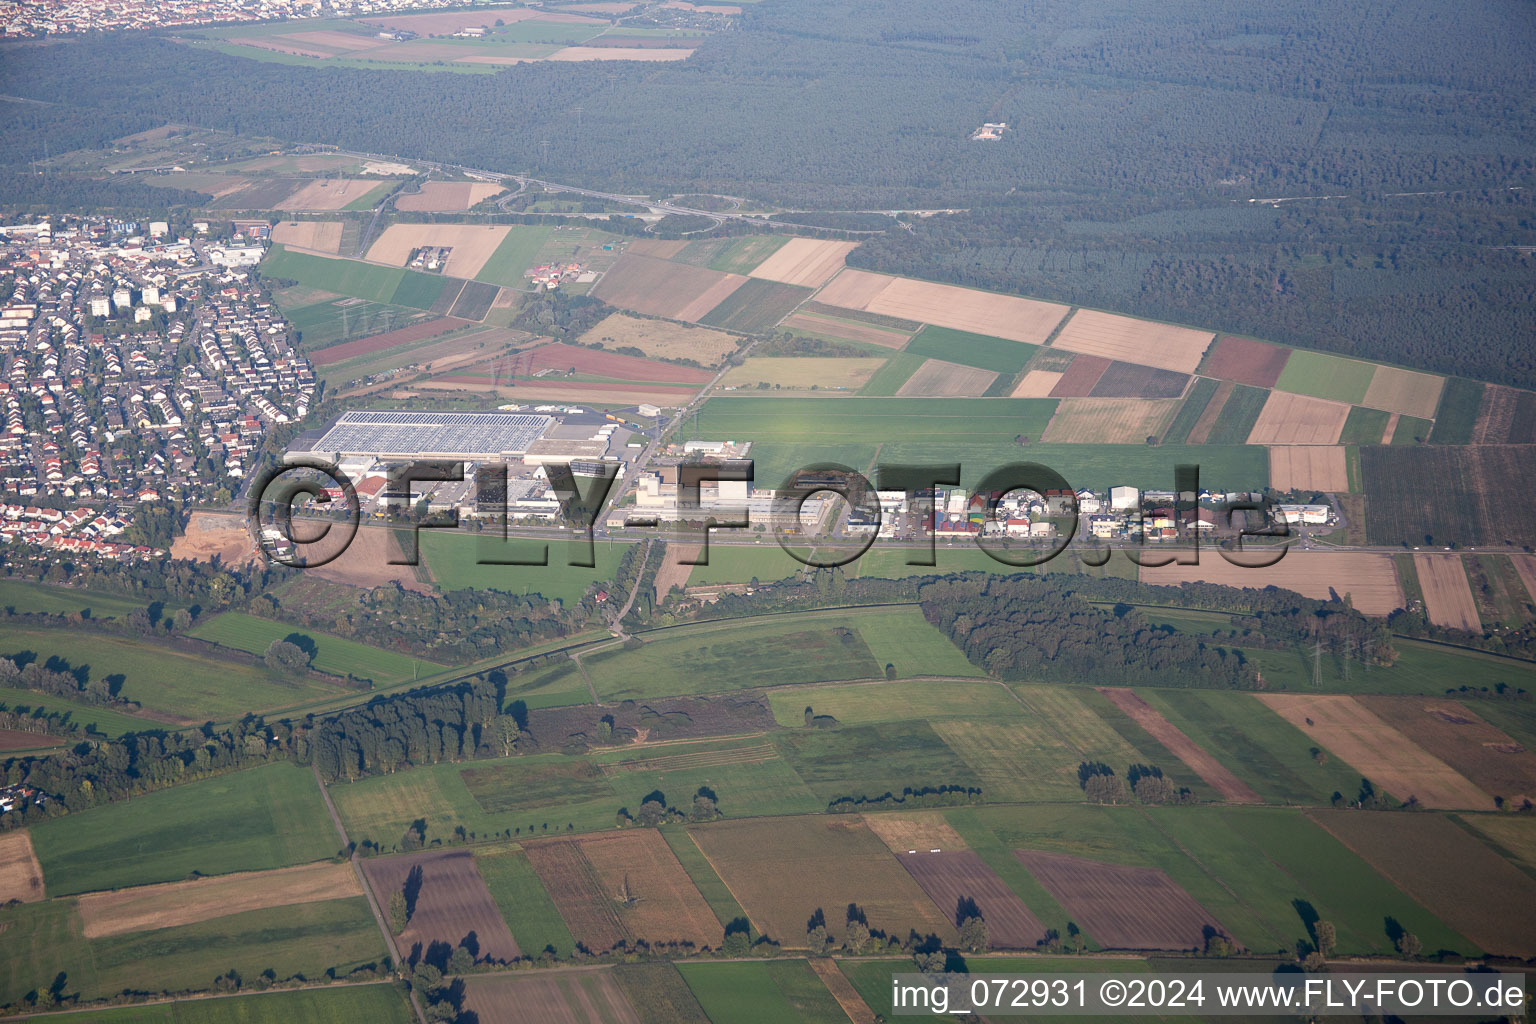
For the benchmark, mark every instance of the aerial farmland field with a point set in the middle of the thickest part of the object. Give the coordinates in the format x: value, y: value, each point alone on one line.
x: 332, y: 654
x: 1144, y: 342
x: 1326, y: 376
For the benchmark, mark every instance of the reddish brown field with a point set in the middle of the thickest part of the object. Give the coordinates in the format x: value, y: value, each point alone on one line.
x: 389, y: 339
x: 1122, y: 907
x: 952, y: 875
x: 1447, y: 594
x: 609, y: 364
x: 1525, y: 565
x: 1215, y: 774
x: 1454, y: 876
x: 574, y: 996
x: 673, y: 571
x: 21, y: 877
x: 1080, y: 377
x: 1128, y: 380
x: 365, y: 562
x: 19, y: 739
x: 1454, y: 733
x: 587, y: 879
x: 1246, y: 362
x: 660, y: 288
x: 452, y: 903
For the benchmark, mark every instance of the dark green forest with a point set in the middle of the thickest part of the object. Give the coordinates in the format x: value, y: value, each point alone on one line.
x: 1142, y: 144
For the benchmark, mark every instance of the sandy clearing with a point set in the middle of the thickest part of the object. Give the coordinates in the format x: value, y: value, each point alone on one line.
x: 327, y: 194
x: 448, y: 196
x: 579, y: 53
x: 21, y: 876
x: 1447, y: 593
x: 1404, y: 391
x: 1298, y: 419
x: 323, y: 236
x: 941, y: 379
x: 1377, y: 751
x: 676, y: 567
x: 810, y: 262
x: 207, y: 536
x: 1146, y: 342
x: 1109, y: 420
x: 849, y: 331
x: 472, y: 245
x: 1215, y: 774
x: 1368, y: 577
x: 1037, y: 384
x: 149, y: 907
x: 1308, y: 467
x: 915, y: 830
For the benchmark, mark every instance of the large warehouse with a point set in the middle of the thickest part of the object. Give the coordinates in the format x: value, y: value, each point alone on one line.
x: 399, y: 434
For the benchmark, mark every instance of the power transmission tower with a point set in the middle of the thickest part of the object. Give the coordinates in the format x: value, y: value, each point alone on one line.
x: 578, y: 118
x: 543, y: 152
x: 1317, y: 665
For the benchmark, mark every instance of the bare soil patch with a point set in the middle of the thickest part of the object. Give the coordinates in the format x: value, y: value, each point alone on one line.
x: 365, y: 562
x: 1128, y: 380
x: 1080, y: 377
x: 1377, y: 751
x: 578, y: 996
x: 673, y: 571
x: 1454, y: 733
x: 1215, y: 774
x: 1368, y: 577
x: 448, y: 196
x: 452, y: 901
x: 1308, y: 467
x: 21, y: 876
x: 1037, y: 384
x: 1525, y: 565
x: 951, y: 876
x: 1447, y: 594
x: 1456, y: 877
x: 1122, y: 907
x: 472, y: 245
x: 904, y: 832
x: 210, y: 536
x: 999, y: 316
x: 659, y: 288
x: 1247, y: 362
x: 1404, y: 391
x: 20, y: 739
x: 1298, y: 419
x: 805, y: 261
x: 150, y: 907
x: 848, y: 331
x: 327, y: 194
x: 576, y: 392
x: 1109, y: 420
x: 314, y: 235
x: 939, y: 378
x: 1135, y: 341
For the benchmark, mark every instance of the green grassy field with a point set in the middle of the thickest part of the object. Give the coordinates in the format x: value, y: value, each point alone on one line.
x: 863, y: 703
x: 188, y: 686
x: 524, y: 904
x: 1421, y: 668
x: 744, y: 255
x: 964, y: 556
x: 267, y: 817
x: 1364, y: 426
x: 1326, y: 376
x: 771, y: 650
x: 322, y: 324
x: 332, y: 654
x: 555, y: 685
x: 22, y: 597
x: 1412, y: 430
x: 979, y: 350
x: 518, y: 251
x: 352, y: 1004
x: 759, y: 783
x: 1189, y: 413
x: 420, y: 291
x: 1099, y: 466
x: 1238, y: 415
x: 872, y: 760
x: 454, y: 561
x: 659, y: 994
x: 1456, y: 415
x: 858, y: 419
x: 346, y: 277
x: 1260, y: 747
x: 775, y: 992
x: 736, y: 563
x: 756, y: 306
x: 893, y: 373
x: 102, y: 720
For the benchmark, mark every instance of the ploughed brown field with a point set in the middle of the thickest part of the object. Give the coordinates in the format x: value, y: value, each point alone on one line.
x: 849, y: 331
x: 1404, y: 391
x: 21, y: 876
x: 365, y: 562
x: 1246, y: 362
x: 1215, y: 774
x: 660, y: 288
x: 1201, y: 431
x: 1456, y: 877
x: 609, y: 364
x: 1080, y: 377
x: 1453, y: 732
x: 315, y: 235
x: 448, y: 196
x: 625, y: 886
x: 1122, y: 907
x: 939, y: 378
x: 1447, y: 594
x: 389, y: 339
x: 944, y: 305
x: 579, y: 996
x: 950, y: 876
x: 1144, y: 342
x: 1368, y: 577
x: 453, y: 901
x: 149, y: 907
x: 20, y: 739
x: 1298, y: 419
x: 1308, y: 467
x: 1376, y: 750
x: 805, y: 261
x: 1128, y: 380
